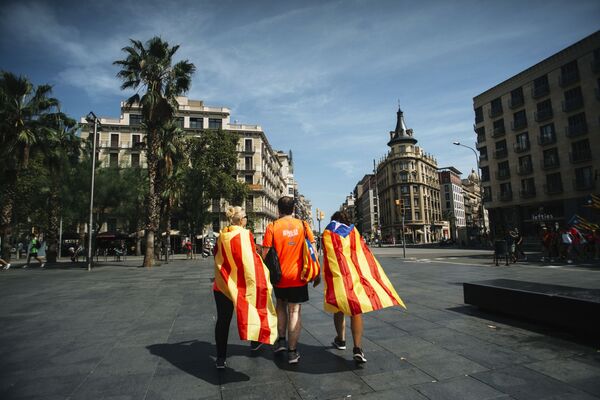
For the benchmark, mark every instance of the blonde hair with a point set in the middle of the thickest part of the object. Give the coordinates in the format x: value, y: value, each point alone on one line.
x: 235, y: 214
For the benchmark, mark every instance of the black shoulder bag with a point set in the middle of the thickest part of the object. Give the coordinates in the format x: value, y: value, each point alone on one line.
x: 272, y: 261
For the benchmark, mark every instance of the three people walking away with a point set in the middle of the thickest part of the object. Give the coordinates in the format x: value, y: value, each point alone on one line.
x: 287, y: 235
x: 241, y: 284
x: 34, y: 245
x: 355, y: 283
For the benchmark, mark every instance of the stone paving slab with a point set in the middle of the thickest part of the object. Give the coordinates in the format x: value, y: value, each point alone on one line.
x: 124, y: 332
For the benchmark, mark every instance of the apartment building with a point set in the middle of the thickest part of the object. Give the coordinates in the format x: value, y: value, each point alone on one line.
x: 409, y: 189
x: 268, y: 172
x: 453, y: 202
x: 365, y: 208
x: 538, y: 135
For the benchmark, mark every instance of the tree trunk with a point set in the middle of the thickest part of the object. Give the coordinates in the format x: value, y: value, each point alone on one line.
x: 153, y: 212
x: 6, y: 215
x: 53, y: 227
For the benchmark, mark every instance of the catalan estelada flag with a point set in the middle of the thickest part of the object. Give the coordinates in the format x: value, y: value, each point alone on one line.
x: 241, y: 275
x: 354, y: 280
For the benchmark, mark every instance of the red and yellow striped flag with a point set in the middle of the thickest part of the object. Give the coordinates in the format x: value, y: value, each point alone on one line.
x: 355, y: 283
x: 241, y: 275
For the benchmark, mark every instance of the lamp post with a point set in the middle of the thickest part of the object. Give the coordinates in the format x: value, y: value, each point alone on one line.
x: 480, y: 182
x: 91, y: 117
x: 400, y: 205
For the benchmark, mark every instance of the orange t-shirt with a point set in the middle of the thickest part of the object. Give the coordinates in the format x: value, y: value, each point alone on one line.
x: 289, y: 242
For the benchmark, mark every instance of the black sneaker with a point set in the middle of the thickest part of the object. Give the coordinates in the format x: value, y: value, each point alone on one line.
x: 279, y: 345
x: 255, y: 345
x: 339, y: 344
x: 220, y: 363
x: 293, y: 356
x: 359, y: 356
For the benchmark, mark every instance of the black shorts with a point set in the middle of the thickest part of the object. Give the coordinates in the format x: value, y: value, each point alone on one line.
x: 297, y: 294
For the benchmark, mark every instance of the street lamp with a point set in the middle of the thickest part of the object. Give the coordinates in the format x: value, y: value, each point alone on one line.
x: 399, y: 204
x: 91, y: 117
x: 480, y: 182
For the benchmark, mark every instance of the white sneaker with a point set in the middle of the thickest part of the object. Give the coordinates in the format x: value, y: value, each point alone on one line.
x: 43, y: 265
x: 7, y: 266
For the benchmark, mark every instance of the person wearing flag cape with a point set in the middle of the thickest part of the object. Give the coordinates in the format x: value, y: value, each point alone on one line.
x: 355, y: 283
x: 241, y: 284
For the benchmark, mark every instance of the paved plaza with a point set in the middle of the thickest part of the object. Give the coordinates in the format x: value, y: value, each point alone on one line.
x: 124, y: 332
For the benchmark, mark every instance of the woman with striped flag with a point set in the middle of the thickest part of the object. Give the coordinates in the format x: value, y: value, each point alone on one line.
x: 241, y: 283
x: 355, y: 283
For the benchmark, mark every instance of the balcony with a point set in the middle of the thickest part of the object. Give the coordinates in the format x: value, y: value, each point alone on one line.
x: 248, y: 150
x: 568, y: 78
x: 506, y: 195
x: 540, y: 91
x: 550, y: 163
x: 580, y: 156
x: 503, y: 174
x: 518, y: 124
x: 544, y: 140
x: 583, y: 184
x: 495, y: 112
x: 516, y: 102
x: 498, y: 132
x: 483, y: 157
x: 544, y: 115
x: 527, y: 193
x: 247, y: 169
x: 502, y: 153
x: 480, y: 139
x: 553, y: 188
x: 521, y: 147
x: 572, y: 104
x: 576, y: 130
x: 524, y: 169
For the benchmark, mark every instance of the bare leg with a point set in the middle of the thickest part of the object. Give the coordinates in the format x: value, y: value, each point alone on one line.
x: 294, y: 324
x: 356, y: 325
x: 339, y: 321
x: 281, y: 308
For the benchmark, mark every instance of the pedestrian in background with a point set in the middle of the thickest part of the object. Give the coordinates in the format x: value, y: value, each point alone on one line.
x: 34, y: 246
x: 287, y: 235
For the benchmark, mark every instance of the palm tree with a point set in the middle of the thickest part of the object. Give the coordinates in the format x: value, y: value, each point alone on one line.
x: 149, y: 67
x: 21, y: 109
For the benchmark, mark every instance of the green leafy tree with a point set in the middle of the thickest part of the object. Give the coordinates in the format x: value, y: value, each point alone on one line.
x: 149, y: 68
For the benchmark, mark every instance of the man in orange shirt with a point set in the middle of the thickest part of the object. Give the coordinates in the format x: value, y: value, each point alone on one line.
x: 287, y: 236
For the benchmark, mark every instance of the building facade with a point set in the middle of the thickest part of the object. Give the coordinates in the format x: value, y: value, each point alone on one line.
x: 267, y: 172
x: 408, y: 190
x: 538, y: 135
x: 453, y: 203
x: 365, y: 207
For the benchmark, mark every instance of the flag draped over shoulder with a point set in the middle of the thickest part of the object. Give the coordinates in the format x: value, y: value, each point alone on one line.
x: 355, y: 283
x: 241, y: 275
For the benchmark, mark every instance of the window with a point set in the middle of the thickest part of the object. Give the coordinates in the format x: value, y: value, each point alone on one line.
x: 551, y: 158
x: 248, y: 179
x: 114, y: 140
x: 114, y: 160
x: 553, y: 183
x: 547, y: 134
x: 499, y: 127
x: 291, y: 191
x: 480, y: 134
x: 179, y: 122
x: 483, y: 155
x: 517, y: 98
x: 248, y: 145
x: 584, y: 178
x: 503, y: 170
x: 528, y: 185
x: 501, y: 150
x: 580, y: 151
x: 485, y: 174
x: 135, y: 119
x: 196, y: 123
x: 569, y: 73
x: 525, y: 165
x: 478, y: 115
x: 135, y: 159
x: 505, y: 191
x: 135, y: 139
x: 214, y: 123
x: 496, y: 107
x: 519, y: 120
x: 541, y: 87
x: 577, y: 125
x: 544, y: 110
x: 248, y: 163
x: 487, y: 193
x: 522, y: 142
x: 447, y: 196
x: 573, y: 99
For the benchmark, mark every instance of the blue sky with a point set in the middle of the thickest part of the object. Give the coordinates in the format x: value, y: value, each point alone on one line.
x: 323, y: 78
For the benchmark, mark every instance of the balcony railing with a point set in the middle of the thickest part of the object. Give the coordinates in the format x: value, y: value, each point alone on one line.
x: 553, y: 188
x: 506, y: 195
x: 576, y: 130
x: 521, y: 147
x: 495, y: 112
x: 544, y: 115
x: 583, y: 184
x: 483, y: 157
x: 498, y: 131
x: 518, y: 124
x: 503, y: 174
x: 539, y: 91
x: 550, y: 163
x: 572, y: 104
x: 568, y: 78
x: 544, y: 140
x: 516, y: 102
x: 248, y: 150
x: 524, y: 169
x: 501, y: 153
x: 527, y: 193
x: 480, y: 139
x: 580, y: 156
